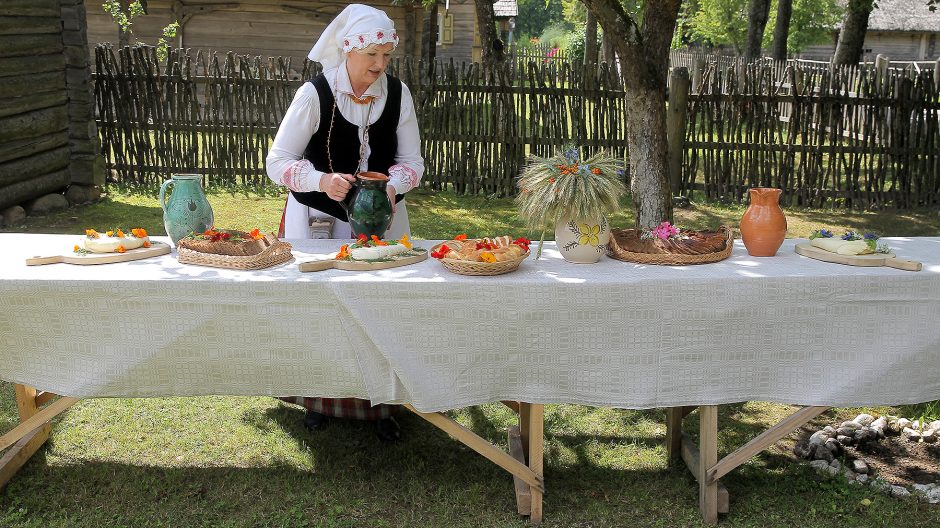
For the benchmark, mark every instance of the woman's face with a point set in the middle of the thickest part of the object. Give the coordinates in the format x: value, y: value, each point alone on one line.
x: 365, y: 66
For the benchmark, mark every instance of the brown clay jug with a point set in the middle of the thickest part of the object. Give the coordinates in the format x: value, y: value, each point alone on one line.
x: 763, y: 226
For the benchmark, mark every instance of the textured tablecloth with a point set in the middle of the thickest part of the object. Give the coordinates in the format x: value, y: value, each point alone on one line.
x: 786, y: 329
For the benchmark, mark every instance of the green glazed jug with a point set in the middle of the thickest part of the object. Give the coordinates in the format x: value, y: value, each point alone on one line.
x: 187, y: 210
x: 367, y: 205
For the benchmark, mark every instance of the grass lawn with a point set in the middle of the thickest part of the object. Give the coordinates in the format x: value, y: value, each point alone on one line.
x: 227, y: 461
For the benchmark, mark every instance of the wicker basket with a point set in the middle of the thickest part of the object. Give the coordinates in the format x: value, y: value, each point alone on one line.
x: 275, y: 253
x: 622, y: 239
x: 467, y: 267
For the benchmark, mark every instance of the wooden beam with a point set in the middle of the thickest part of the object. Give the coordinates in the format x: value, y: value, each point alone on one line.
x: 512, y: 405
x: 481, y: 446
x: 691, y: 458
x: 535, y: 456
x: 45, y: 397
x: 708, y: 456
x: 673, y: 432
x: 523, y: 493
x: 38, y: 419
x: 524, y: 411
x: 14, y: 459
x: 763, y: 441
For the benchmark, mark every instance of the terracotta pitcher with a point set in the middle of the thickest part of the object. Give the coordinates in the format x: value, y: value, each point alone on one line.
x: 763, y: 226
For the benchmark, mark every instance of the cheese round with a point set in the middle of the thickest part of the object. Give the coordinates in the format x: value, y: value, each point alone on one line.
x: 106, y: 244
x: 377, y: 252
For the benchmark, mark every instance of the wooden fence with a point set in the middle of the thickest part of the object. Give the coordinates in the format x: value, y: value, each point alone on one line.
x: 217, y: 115
x: 861, y: 139
x: 849, y: 137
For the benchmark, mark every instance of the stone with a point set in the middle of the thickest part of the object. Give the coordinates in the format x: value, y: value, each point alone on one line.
x: 862, y: 479
x: 845, y: 431
x: 930, y: 436
x: 894, y: 428
x: 830, y: 430
x: 819, y: 465
x: 818, y: 438
x: 81, y: 194
x: 13, y: 215
x: 836, y: 464
x: 923, y: 488
x: 934, y: 425
x: 903, y: 422
x: 848, y: 475
x: 844, y: 440
x: 915, y: 425
x: 47, y: 204
x: 860, y: 436
x: 834, y: 446
x: 850, y: 425
x: 864, y: 419
x: 859, y: 466
x: 880, y: 423
x: 933, y: 496
x: 899, y: 492
x: 911, y: 434
x: 823, y: 454
x: 880, y: 484
x: 801, y: 450
x: 832, y: 471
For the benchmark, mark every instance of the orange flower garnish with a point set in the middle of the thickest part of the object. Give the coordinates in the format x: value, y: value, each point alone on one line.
x: 378, y: 241
x: 343, y: 252
x: 256, y: 234
x: 146, y: 243
x: 110, y: 233
x: 91, y: 233
x: 139, y: 232
x: 405, y: 241
x: 120, y: 249
x: 461, y: 237
x: 76, y: 248
x: 120, y: 234
x: 487, y: 257
x: 595, y: 170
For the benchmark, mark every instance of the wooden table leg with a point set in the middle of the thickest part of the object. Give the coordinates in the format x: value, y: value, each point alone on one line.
x: 536, y: 420
x: 26, y: 446
x: 708, y: 457
x: 673, y: 432
x: 525, y: 412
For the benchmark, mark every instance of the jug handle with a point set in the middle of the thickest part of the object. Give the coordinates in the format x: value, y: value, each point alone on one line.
x: 345, y: 202
x: 163, y: 193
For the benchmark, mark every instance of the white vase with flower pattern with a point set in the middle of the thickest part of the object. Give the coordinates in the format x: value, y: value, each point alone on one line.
x: 581, y: 240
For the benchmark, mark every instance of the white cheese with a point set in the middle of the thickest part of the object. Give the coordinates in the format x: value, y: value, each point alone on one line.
x: 377, y: 252
x: 106, y: 244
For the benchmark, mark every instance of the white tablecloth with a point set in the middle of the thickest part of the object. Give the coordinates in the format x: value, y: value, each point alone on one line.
x: 786, y: 329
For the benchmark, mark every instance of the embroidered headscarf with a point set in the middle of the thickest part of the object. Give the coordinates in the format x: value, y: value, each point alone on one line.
x: 356, y: 27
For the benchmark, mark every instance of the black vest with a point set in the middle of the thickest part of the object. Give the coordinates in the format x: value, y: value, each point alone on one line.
x: 344, y: 143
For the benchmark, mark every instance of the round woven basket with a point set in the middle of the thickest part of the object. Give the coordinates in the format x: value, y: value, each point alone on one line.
x: 623, y: 240
x: 466, y: 267
x: 277, y: 253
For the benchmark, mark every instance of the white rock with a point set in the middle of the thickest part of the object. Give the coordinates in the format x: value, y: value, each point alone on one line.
x: 863, y: 479
x: 850, y: 425
x: 933, y: 496
x: 911, y: 434
x: 848, y: 475
x: 832, y: 471
x: 930, y: 436
x: 833, y: 446
x: 880, y: 423
x: 903, y: 422
x: 934, y: 424
x: 829, y: 429
x: 818, y: 438
x: 899, y: 492
x: 923, y: 488
x: 880, y: 483
x: 915, y: 425
x: 864, y: 419
x: 844, y: 440
x: 836, y: 464
x: 818, y: 465
x: 859, y: 466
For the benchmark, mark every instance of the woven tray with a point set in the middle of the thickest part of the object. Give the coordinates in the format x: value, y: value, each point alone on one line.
x: 466, y: 267
x: 621, y: 238
x: 275, y: 253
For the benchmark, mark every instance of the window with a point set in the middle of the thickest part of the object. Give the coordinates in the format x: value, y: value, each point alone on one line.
x: 445, y: 28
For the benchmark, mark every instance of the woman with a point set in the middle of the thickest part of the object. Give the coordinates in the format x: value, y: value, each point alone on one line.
x: 352, y: 117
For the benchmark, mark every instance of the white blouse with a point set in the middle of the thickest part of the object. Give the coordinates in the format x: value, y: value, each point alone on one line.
x: 285, y: 163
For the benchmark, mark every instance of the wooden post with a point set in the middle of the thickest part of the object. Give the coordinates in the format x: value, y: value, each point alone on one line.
x: 675, y: 125
x: 881, y: 67
x: 14, y: 459
x: 936, y: 73
x: 698, y: 72
x: 673, y: 433
x: 535, y: 457
x: 708, y: 457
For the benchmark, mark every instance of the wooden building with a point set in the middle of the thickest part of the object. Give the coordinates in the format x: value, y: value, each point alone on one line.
x: 282, y: 28
x: 904, y: 30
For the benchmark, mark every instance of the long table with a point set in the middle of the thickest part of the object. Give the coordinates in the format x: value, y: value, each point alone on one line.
x: 785, y: 329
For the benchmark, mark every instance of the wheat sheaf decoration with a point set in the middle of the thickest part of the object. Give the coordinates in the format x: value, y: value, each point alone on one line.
x: 565, y: 186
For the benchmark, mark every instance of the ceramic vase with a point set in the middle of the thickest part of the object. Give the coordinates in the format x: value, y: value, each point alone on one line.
x: 367, y: 205
x: 186, y: 210
x: 763, y: 226
x: 582, y: 240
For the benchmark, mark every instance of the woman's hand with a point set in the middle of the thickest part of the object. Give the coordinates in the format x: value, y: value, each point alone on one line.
x: 336, y: 185
x: 391, y: 196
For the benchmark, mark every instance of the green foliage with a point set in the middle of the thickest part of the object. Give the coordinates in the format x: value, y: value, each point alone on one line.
x: 537, y: 15
x: 724, y: 23
x: 164, y: 42
x: 124, y: 19
x: 557, y: 35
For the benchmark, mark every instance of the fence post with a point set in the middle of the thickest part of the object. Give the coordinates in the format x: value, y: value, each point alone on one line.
x: 698, y: 70
x: 675, y: 125
x: 936, y: 73
x: 881, y: 67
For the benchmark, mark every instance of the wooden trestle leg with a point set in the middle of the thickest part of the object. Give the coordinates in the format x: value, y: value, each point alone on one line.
x: 33, y: 431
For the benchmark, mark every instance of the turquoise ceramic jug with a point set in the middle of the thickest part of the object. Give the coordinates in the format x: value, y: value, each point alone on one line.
x: 368, y: 206
x: 187, y: 210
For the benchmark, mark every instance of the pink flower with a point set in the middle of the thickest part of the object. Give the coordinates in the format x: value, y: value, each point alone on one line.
x: 362, y: 39
x: 664, y: 231
x: 379, y: 35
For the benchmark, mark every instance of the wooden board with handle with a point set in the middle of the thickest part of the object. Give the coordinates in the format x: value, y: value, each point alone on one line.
x: 874, y: 259
x: 155, y: 249
x: 363, y: 265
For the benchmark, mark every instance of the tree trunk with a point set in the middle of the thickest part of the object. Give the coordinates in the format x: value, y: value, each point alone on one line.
x: 411, y: 29
x: 778, y: 50
x: 644, y: 58
x: 429, y: 39
x: 852, y: 36
x: 590, y: 39
x: 489, y: 40
x: 124, y: 37
x: 757, y: 13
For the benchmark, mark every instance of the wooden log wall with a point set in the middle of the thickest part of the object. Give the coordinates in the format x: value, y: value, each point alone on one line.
x: 828, y: 136
x: 157, y: 119
x: 34, y: 117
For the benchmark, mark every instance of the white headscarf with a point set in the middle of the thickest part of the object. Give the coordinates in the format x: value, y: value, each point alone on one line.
x: 356, y: 27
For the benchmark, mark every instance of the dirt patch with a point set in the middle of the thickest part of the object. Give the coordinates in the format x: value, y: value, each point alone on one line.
x: 900, y: 461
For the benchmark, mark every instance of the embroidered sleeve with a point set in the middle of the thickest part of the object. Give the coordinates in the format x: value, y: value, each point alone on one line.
x: 284, y: 163
x: 406, y: 174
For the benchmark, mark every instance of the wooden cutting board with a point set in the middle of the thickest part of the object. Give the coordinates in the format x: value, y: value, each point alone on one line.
x: 362, y: 265
x: 875, y: 259
x: 155, y: 249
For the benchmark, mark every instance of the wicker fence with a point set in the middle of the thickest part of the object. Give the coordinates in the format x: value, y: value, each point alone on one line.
x: 856, y: 138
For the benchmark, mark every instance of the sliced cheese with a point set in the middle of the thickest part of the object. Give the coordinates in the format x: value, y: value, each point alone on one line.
x: 828, y: 244
x: 854, y: 247
x: 106, y: 244
x: 377, y: 252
